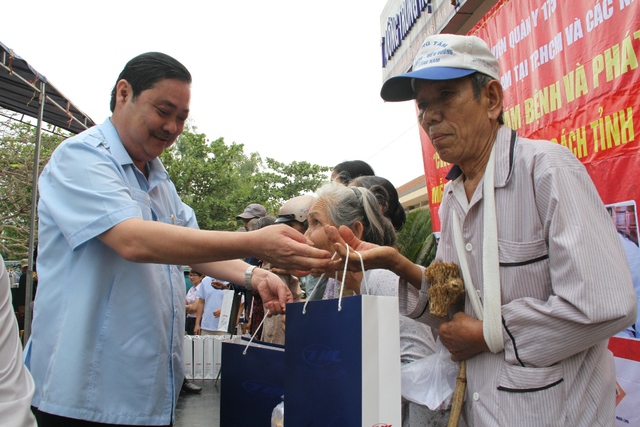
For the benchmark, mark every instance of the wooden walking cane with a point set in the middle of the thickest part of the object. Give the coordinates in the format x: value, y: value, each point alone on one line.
x: 446, y: 288
x: 458, y: 395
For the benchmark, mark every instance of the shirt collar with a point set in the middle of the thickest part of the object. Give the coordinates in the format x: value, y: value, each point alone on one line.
x: 114, y: 144
x: 120, y: 153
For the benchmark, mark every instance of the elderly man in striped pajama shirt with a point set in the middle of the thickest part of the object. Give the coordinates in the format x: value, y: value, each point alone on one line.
x: 551, y: 278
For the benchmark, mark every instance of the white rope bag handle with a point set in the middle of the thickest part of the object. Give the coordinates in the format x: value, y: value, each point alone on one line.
x: 344, y: 274
x: 304, y: 308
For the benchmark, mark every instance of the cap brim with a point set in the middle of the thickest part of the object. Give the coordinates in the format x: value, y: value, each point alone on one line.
x: 282, y: 219
x: 245, y: 216
x: 399, y: 88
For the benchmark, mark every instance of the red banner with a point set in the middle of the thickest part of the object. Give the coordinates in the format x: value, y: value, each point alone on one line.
x: 570, y: 74
x: 569, y: 71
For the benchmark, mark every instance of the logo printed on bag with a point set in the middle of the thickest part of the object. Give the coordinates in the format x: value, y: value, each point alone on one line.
x: 320, y: 355
x: 382, y: 425
x: 262, y: 389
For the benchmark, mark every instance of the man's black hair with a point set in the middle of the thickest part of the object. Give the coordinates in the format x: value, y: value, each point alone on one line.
x: 351, y: 169
x: 145, y: 70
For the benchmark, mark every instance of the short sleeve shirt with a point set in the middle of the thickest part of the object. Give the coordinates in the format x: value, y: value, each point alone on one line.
x: 107, y: 333
x: 212, y: 301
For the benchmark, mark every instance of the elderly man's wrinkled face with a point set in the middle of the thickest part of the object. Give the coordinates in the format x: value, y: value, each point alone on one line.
x: 318, y: 218
x: 457, y: 123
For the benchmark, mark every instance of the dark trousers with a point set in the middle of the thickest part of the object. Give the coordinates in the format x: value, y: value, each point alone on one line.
x: 189, y: 325
x: 50, y: 420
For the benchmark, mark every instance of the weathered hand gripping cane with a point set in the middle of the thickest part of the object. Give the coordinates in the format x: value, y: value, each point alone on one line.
x: 446, y: 289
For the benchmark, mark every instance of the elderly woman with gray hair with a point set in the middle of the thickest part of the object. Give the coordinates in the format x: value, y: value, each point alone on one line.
x: 359, y: 209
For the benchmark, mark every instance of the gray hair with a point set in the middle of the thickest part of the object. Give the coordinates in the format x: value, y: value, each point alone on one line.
x: 478, y: 82
x: 346, y: 205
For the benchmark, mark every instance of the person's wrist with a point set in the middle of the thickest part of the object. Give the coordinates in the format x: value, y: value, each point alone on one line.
x: 248, y: 274
x: 395, y: 259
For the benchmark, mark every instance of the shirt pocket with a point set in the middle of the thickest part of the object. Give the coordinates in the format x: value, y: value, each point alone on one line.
x: 172, y: 220
x: 523, y: 391
x: 517, y: 254
x: 524, y: 270
x: 144, y: 201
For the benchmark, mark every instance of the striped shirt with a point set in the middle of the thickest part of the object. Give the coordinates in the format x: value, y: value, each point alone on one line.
x: 565, y: 289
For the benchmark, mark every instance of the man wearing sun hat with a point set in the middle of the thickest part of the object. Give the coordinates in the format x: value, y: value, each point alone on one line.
x: 254, y: 210
x: 551, y: 276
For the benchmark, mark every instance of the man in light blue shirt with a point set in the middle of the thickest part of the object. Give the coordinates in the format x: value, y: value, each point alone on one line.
x: 113, y: 235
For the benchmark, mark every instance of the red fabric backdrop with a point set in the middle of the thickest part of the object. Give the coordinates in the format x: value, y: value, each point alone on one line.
x: 570, y: 74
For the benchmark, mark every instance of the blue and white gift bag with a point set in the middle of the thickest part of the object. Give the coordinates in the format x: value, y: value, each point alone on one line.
x: 342, y: 367
x: 252, y: 383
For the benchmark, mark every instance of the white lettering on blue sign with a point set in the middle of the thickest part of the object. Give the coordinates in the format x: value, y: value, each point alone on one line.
x: 399, y: 25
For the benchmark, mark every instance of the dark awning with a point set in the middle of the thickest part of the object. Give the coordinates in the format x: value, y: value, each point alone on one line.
x: 20, y: 87
x: 20, y: 90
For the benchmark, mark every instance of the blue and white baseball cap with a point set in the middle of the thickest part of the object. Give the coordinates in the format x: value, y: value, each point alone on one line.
x: 443, y: 57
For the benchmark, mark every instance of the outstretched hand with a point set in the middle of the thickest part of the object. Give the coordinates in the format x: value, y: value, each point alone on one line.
x: 286, y: 248
x: 373, y: 256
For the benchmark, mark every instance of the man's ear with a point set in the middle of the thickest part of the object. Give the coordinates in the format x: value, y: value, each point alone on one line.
x: 358, y: 229
x: 124, y: 91
x: 495, y: 97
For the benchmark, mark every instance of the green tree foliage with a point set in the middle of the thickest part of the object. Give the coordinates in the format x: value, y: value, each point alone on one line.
x: 416, y: 240
x: 17, y: 149
x: 208, y: 177
x: 218, y: 180
x: 282, y: 181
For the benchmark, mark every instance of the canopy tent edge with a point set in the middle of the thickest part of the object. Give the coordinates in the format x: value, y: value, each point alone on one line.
x: 24, y: 90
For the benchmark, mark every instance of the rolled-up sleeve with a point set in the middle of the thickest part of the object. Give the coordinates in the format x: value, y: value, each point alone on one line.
x: 414, y: 303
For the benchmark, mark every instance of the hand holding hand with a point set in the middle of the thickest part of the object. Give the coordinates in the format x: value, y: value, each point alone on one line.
x: 276, y: 270
x: 373, y: 256
x: 284, y: 247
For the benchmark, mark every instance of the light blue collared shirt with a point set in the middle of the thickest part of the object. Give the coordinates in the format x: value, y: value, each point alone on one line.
x: 107, y: 333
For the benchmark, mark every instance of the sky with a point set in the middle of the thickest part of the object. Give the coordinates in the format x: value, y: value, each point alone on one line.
x: 291, y: 80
